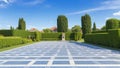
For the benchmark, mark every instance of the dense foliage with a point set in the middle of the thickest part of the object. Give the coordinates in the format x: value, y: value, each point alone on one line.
x: 86, y: 24
x: 77, y: 36
x: 110, y: 38
x: 12, y: 41
x: 76, y: 28
x: 69, y: 36
x: 6, y: 32
x: 51, y: 36
x: 103, y: 28
x: 73, y: 36
x: 37, y: 36
x: 21, y: 24
x: 62, y: 23
x: 18, y: 33
x: 94, y: 27
x: 112, y: 24
x: 47, y: 30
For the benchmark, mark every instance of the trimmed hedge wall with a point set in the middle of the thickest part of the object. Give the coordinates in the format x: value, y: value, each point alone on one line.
x: 58, y: 36
x: 101, y: 31
x: 18, y: 33
x: 22, y: 33
x: 6, y: 32
x: 37, y: 36
x: 110, y: 38
x: 12, y: 41
x: 51, y: 36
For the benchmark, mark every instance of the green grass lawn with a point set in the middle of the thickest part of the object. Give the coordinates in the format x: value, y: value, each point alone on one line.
x: 82, y: 40
x: 12, y: 47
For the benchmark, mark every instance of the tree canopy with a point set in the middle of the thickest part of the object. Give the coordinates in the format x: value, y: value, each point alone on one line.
x: 62, y: 23
x: 76, y: 28
x: 21, y: 24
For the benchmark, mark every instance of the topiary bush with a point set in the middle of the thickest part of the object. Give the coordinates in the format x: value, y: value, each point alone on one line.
x: 37, y: 36
x: 77, y: 36
x: 112, y: 24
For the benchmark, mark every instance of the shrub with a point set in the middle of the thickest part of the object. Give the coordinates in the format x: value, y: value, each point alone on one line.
x: 73, y: 36
x: 77, y: 36
x: 12, y: 41
x: 110, y: 38
x: 6, y: 32
x: 51, y: 36
x: 97, y: 38
x: 114, y: 35
x: 112, y: 24
x: 69, y: 36
x: 76, y: 28
x: 18, y: 33
x: 37, y: 36
x: 22, y: 33
x: 101, y: 31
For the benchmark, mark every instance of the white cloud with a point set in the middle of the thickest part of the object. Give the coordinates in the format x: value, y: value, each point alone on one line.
x: 116, y: 13
x: 106, y: 5
x: 33, y: 2
x: 108, y: 18
x: 4, y: 3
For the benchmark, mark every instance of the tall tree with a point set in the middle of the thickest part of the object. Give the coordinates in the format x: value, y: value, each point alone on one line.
x: 76, y: 28
x: 62, y: 23
x: 86, y: 24
x: 11, y: 28
x: 21, y: 24
x: 94, y: 27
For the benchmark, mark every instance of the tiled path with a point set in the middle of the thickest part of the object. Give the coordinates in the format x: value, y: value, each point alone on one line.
x: 58, y: 54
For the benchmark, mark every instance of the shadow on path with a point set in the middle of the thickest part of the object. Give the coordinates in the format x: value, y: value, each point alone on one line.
x: 92, y: 46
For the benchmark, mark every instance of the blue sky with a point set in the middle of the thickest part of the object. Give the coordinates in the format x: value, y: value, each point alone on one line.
x: 43, y: 13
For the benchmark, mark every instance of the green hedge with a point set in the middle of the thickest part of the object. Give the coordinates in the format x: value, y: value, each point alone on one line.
x: 77, y: 36
x: 51, y: 36
x: 37, y: 36
x: 18, y: 33
x: 73, y: 36
x: 58, y: 36
x: 101, y: 31
x: 97, y: 38
x: 23, y: 33
x: 6, y: 32
x: 112, y: 24
x: 110, y: 38
x: 12, y: 41
x: 69, y: 36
